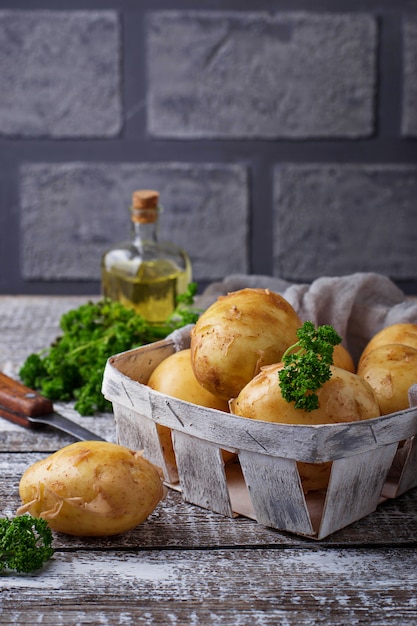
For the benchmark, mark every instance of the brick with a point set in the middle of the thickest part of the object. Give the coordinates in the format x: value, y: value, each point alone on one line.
x: 60, y: 74
x: 71, y: 213
x: 409, y: 101
x: 341, y: 219
x: 248, y: 75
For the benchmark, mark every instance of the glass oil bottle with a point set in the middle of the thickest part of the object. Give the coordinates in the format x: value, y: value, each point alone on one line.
x: 143, y: 273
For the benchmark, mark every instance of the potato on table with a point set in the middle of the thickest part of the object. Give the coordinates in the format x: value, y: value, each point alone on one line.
x: 91, y: 488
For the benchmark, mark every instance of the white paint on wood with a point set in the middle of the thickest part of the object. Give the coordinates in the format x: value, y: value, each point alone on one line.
x: 56, y: 572
x: 201, y: 472
x: 354, y: 488
x: 275, y: 489
x: 408, y: 475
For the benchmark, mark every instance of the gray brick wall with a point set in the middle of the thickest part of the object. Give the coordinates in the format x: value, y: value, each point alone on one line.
x: 328, y: 217
x: 282, y: 138
x: 60, y: 74
x: 260, y: 75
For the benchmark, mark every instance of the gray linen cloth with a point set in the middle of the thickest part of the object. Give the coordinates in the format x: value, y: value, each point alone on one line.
x: 357, y: 305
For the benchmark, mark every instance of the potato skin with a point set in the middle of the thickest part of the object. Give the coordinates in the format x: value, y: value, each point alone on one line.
x: 346, y: 397
x: 91, y: 488
x: 404, y: 333
x: 390, y: 370
x: 342, y: 358
x: 175, y: 377
x: 237, y: 335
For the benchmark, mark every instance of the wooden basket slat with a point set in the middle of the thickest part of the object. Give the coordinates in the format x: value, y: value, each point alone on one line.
x: 142, y: 434
x: 403, y: 473
x: 139, y: 363
x: 201, y: 472
x: 408, y: 478
x: 275, y: 490
x: 354, y: 488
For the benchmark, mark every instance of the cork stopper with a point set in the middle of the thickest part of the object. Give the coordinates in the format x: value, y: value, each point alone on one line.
x: 144, y: 207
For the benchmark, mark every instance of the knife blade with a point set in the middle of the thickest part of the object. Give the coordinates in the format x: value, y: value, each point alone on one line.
x: 26, y: 407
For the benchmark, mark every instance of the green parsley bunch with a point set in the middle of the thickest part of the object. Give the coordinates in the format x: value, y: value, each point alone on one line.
x: 73, y: 366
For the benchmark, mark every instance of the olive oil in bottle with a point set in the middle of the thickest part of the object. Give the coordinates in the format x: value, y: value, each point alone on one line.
x: 143, y: 273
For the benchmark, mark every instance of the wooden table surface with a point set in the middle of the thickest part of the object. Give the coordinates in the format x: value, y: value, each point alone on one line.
x: 185, y: 565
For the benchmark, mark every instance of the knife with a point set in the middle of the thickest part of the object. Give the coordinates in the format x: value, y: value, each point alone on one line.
x: 24, y: 406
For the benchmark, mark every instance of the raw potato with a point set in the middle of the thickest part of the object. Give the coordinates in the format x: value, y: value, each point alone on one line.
x: 314, y: 476
x: 405, y: 333
x: 342, y: 358
x: 237, y: 335
x: 91, y: 488
x: 174, y: 376
x: 390, y: 370
x: 346, y: 397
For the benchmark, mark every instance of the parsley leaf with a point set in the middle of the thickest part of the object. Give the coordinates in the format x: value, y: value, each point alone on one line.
x: 307, y: 365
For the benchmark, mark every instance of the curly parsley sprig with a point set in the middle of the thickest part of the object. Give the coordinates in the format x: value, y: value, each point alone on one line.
x: 73, y: 366
x: 25, y: 543
x: 307, y: 365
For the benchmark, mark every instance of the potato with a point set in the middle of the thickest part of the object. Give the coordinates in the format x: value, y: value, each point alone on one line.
x: 346, y: 397
x: 405, y: 333
x: 91, y: 488
x: 314, y: 476
x: 342, y: 358
x: 174, y: 376
x: 390, y: 370
x: 237, y: 335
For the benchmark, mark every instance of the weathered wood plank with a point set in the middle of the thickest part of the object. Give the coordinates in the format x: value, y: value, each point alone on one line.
x: 403, y: 469
x: 354, y: 488
x: 275, y: 586
x: 203, y: 477
x: 19, y: 439
x: 177, y: 524
x: 275, y: 489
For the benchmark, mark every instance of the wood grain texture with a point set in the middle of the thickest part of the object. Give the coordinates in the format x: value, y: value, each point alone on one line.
x: 186, y: 565
x: 198, y: 587
x: 177, y: 524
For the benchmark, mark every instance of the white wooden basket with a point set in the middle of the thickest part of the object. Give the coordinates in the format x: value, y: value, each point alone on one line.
x: 372, y: 460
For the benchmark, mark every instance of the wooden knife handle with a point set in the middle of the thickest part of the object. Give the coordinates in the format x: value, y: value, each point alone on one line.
x: 15, y: 396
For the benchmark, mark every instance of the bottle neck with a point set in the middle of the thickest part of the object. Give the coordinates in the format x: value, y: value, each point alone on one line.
x: 145, y: 231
